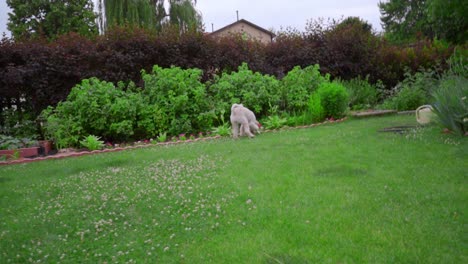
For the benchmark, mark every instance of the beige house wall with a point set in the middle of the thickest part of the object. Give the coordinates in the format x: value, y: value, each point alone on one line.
x: 245, y: 30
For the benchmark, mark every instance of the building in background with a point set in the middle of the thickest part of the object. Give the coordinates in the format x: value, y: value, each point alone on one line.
x: 247, y: 29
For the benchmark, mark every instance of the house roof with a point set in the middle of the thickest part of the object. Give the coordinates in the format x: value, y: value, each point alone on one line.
x: 245, y: 22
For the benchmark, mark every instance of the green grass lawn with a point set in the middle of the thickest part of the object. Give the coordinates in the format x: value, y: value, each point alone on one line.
x: 337, y: 193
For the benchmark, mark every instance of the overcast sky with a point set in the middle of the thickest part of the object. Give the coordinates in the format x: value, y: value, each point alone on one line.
x: 269, y: 14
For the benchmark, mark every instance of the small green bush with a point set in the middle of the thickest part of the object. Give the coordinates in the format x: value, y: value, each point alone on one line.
x: 162, y: 137
x: 413, y: 91
x: 274, y: 122
x: 362, y: 94
x: 408, y: 98
x: 176, y: 101
x: 254, y: 90
x: 298, y: 85
x: 333, y: 99
x: 222, y: 130
x: 93, y: 107
x: 92, y: 142
x: 315, y: 109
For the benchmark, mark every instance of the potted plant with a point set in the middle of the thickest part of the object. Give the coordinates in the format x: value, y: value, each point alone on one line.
x: 12, y: 147
x: 45, y: 146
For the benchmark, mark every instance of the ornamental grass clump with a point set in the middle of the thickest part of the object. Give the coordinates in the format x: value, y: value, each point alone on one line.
x: 450, y: 97
x: 451, y: 104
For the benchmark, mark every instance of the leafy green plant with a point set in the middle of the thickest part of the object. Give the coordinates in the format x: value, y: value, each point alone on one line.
x: 182, y: 137
x: 315, y: 109
x: 61, y: 126
x: 222, y: 130
x: 252, y: 89
x: 413, y: 91
x: 274, y: 122
x: 162, y: 137
x: 93, y: 107
x: 9, y: 142
x: 298, y: 85
x: 178, y: 100
x: 333, y: 99
x: 362, y: 94
x: 92, y: 142
x: 16, y: 155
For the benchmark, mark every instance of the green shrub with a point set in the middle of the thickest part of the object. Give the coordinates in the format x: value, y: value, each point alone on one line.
x: 313, y: 114
x: 298, y: 85
x: 61, y: 125
x: 253, y: 90
x: 413, y: 91
x: 93, y: 107
x: 333, y: 99
x: 408, y: 98
x: 362, y: 94
x: 176, y: 101
x: 92, y: 142
x: 274, y: 122
x: 103, y: 109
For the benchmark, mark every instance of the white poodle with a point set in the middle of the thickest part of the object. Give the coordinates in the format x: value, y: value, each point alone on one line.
x: 245, y: 119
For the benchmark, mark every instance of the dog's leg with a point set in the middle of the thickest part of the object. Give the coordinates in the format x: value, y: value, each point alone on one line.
x: 247, y: 129
x: 235, y: 129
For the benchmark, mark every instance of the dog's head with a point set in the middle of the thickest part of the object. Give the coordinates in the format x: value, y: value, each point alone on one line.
x: 258, y: 127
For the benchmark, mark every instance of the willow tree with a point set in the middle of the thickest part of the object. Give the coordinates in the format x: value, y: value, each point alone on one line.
x: 150, y: 14
x: 183, y: 14
x: 139, y: 13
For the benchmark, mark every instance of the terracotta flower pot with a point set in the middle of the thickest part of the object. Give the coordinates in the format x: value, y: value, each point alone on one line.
x: 29, y: 152
x: 7, y: 153
x: 23, y: 152
x: 46, y: 146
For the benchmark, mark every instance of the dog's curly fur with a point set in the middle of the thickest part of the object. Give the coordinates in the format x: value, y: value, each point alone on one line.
x: 244, y: 120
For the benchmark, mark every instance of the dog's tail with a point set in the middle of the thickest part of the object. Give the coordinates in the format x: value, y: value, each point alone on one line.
x: 234, y: 106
